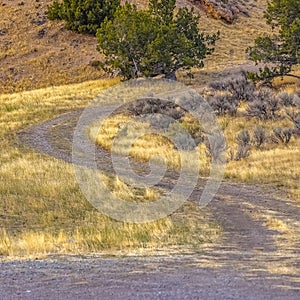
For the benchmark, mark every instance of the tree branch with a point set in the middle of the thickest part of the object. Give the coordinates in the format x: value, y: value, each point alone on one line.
x: 290, y: 75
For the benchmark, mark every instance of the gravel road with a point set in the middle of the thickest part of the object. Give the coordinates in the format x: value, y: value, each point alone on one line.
x: 251, y: 261
x: 176, y: 277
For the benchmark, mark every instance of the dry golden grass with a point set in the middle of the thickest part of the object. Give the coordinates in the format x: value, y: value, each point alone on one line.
x: 279, y: 167
x: 276, y: 224
x: 275, y: 164
x: 126, y: 192
x: 234, y: 39
x: 288, y: 84
x: 146, y: 146
x: 42, y: 208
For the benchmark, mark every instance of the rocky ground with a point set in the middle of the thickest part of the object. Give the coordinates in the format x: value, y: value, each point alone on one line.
x: 226, y: 10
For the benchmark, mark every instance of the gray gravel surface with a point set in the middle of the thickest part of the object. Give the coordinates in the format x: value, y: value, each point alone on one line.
x: 176, y: 277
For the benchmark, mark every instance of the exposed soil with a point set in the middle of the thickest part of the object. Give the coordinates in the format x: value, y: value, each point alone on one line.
x: 251, y: 261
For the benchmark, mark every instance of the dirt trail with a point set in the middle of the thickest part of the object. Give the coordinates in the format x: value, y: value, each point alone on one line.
x: 252, y: 261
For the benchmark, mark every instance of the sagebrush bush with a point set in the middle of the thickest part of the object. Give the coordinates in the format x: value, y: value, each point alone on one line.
x: 215, y: 146
x: 239, y: 87
x: 286, y: 99
x: 154, y: 106
x: 260, y: 136
x: 265, y: 105
x: 297, y: 125
x: 282, y: 135
x: 294, y: 115
x: 243, y: 140
x: 224, y: 104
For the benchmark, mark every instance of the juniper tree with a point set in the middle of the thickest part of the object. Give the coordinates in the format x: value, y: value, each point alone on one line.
x: 83, y: 16
x: 281, y: 51
x: 154, y: 41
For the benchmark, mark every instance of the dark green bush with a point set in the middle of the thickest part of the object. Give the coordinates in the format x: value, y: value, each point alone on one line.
x: 83, y: 16
x: 156, y: 41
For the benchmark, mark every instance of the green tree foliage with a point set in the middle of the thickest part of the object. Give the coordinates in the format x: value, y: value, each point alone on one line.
x: 154, y: 41
x: 83, y: 16
x: 281, y: 51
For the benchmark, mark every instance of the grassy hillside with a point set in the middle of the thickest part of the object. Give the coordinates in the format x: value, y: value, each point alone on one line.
x: 36, y: 52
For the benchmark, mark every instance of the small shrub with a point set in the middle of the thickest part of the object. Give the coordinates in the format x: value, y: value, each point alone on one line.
x: 296, y: 100
x: 55, y: 11
x: 230, y: 154
x: 224, y: 104
x: 294, y: 116
x: 154, y: 106
x: 282, y: 135
x: 265, y: 106
x: 297, y: 125
x: 182, y: 138
x: 243, y: 140
x: 95, y: 64
x: 83, y: 16
x: 260, y: 136
x: 184, y: 141
x: 286, y: 99
x: 258, y: 109
x: 243, y: 137
x: 194, y: 128
x: 239, y: 87
x: 215, y: 146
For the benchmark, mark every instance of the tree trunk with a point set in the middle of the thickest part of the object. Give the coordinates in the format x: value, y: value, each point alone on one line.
x: 171, y: 76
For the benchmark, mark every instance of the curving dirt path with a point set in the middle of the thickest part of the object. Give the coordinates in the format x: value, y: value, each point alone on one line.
x: 251, y: 261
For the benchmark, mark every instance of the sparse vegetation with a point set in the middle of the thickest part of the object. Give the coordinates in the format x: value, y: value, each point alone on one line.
x: 243, y: 140
x: 282, y: 135
x: 61, y: 56
x: 287, y: 99
x: 260, y: 136
x: 224, y: 104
